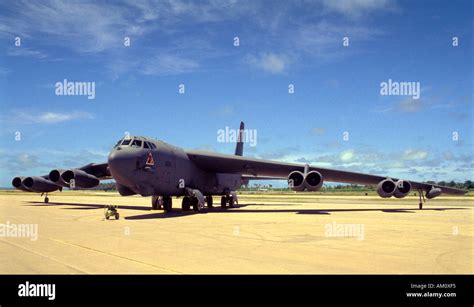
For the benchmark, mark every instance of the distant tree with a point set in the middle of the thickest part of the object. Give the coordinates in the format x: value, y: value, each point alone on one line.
x: 468, y: 184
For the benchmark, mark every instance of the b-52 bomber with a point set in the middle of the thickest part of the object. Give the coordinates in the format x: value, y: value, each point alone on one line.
x: 155, y: 168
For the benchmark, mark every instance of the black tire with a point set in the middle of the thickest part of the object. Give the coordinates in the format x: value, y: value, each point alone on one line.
x: 167, y: 204
x: 223, y: 202
x: 117, y: 216
x: 154, y: 202
x: 230, y: 200
x: 420, y: 206
x: 209, y: 201
x: 46, y: 200
x: 185, y: 205
x: 195, y: 203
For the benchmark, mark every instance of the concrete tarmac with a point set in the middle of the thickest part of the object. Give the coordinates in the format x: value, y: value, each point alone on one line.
x: 266, y: 234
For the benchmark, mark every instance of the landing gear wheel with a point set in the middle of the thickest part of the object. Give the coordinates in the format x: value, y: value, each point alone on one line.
x: 117, y: 216
x: 155, y: 202
x: 209, y: 201
x: 230, y: 200
x: 167, y: 204
x: 46, y: 200
x: 186, y: 204
x: 197, y: 206
x: 223, y: 202
x: 422, y: 199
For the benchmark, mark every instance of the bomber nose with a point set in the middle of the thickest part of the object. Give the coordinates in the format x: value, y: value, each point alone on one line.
x: 120, y: 162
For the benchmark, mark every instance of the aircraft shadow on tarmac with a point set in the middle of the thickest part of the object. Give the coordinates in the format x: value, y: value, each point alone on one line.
x: 85, y: 206
x: 179, y: 213
x: 239, y: 209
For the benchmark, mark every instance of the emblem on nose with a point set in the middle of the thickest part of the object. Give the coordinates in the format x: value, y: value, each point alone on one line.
x: 150, y: 160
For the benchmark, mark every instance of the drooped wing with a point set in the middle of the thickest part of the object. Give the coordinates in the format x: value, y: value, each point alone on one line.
x: 252, y: 168
x: 101, y: 171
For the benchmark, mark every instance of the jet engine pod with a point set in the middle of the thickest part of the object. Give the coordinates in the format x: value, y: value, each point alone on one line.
x: 296, y: 181
x: 55, y: 176
x: 402, y: 189
x: 81, y: 179
x: 386, y: 188
x: 313, y: 181
x: 39, y: 184
x: 17, y: 183
x: 433, y: 192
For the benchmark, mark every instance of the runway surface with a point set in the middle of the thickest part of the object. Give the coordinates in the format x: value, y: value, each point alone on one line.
x: 288, y: 234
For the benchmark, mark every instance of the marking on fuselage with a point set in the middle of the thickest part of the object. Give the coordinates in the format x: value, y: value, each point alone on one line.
x: 150, y: 160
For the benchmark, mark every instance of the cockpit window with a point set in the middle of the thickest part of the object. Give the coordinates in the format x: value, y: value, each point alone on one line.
x: 137, y: 143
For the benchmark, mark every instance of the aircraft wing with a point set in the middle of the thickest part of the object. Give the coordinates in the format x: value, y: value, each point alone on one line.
x: 101, y: 171
x: 252, y: 168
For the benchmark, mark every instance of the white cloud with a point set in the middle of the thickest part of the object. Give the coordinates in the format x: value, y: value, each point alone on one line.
x: 410, y: 105
x: 49, y: 117
x: 355, y: 8
x: 26, y: 52
x: 91, y: 26
x: 167, y: 64
x: 98, y: 29
x: 270, y: 62
x: 347, y: 155
x: 411, y: 154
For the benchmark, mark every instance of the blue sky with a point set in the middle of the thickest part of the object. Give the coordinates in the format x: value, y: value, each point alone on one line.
x: 337, y: 88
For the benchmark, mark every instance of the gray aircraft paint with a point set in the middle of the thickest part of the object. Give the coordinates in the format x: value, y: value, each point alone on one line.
x: 176, y: 172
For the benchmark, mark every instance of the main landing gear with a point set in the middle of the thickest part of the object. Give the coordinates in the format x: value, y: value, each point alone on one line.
x: 156, y: 202
x: 165, y: 202
x: 422, y: 199
x: 229, y: 200
x: 46, y: 199
x: 209, y: 201
x: 196, y: 203
x: 194, y: 198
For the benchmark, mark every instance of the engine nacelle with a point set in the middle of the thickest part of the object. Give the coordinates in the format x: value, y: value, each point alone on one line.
x: 296, y: 181
x: 55, y: 176
x: 39, y: 184
x: 81, y: 179
x: 313, y: 181
x: 402, y: 189
x: 433, y: 192
x: 386, y: 188
x: 17, y: 183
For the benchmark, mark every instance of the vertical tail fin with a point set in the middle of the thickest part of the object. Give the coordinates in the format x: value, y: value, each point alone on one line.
x: 239, y: 147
